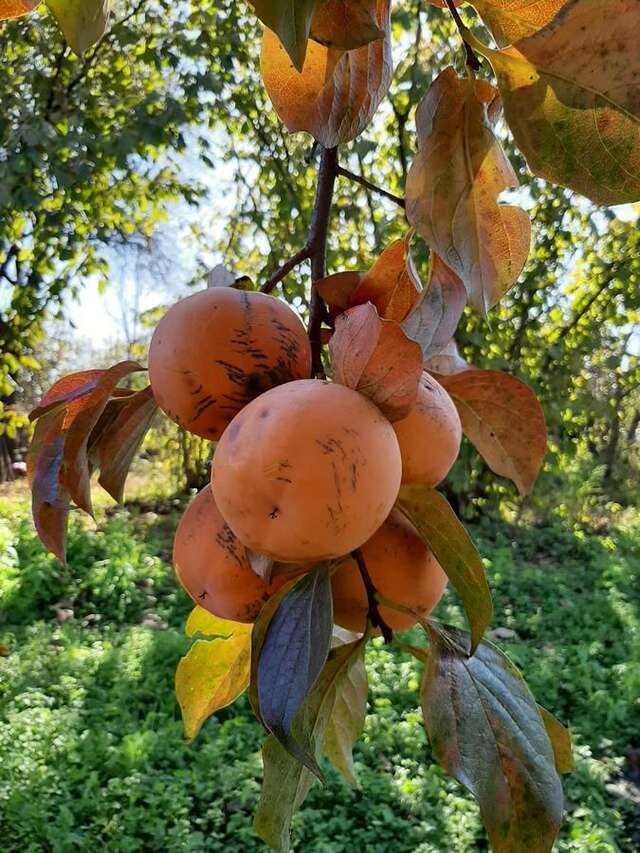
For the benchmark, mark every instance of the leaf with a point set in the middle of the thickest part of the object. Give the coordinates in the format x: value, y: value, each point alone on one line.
x: 16, y: 8
x: 440, y: 528
x: 347, y: 720
x: 49, y: 499
x: 345, y: 24
x: 286, y: 782
x: 453, y: 187
x: 437, y: 312
x: 376, y: 358
x: 292, y: 655
x: 66, y: 389
x: 115, y: 451
x: 560, y: 741
x: 571, y: 100
x: 200, y: 621
x: 290, y: 20
x: 447, y: 361
x: 261, y: 564
x: 504, y: 420
x: 336, y: 290
x: 336, y: 94
x: 83, y: 22
x: 485, y: 730
x: 392, y: 283
x: 510, y: 20
x: 213, y: 673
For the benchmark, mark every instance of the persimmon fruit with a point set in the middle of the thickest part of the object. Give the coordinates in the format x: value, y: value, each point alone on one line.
x: 216, y: 350
x: 308, y: 471
x: 212, y: 565
x: 402, y: 570
x: 430, y: 435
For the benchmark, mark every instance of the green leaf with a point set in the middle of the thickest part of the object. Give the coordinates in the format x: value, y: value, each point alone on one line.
x: 82, y: 22
x: 560, y: 741
x: 433, y: 518
x: 347, y: 720
x: 286, y: 781
x: 570, y: 94
x: 213, y: 673
x: 290, y: 20
x: 293, y: 653
x: 486, y: 731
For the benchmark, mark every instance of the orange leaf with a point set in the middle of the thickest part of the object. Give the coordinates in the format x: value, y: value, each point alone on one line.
x: 336, y: 290
x: 337, y: 93
x: 392, y: 283
x: 453, y: 187
x: 503, y: 419
x: 346, y: 24
x: 16, y: 8
x: 376, y: 358
x: 435, y: 317
x: 510, y: 20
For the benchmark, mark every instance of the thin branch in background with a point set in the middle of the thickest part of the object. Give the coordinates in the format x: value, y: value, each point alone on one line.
x: 359, y: 179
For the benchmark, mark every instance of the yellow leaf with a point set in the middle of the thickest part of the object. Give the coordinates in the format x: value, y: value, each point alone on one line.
x: 213, y: 673
x: 337, y: 92
x: 82, y: 22
x: 453, y: 187
x: 572, y: 98
x: 510, y: 20
x: 345, y: 24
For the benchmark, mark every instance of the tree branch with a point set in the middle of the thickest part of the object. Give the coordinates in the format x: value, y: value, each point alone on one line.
x: 359, y: 179
x: 295, y: 260
x: 374, y: 611
x: 471, y: 58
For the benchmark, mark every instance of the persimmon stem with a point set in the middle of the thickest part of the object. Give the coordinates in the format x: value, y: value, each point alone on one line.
x: 374, y: 611
x: 471, y: 59
x: 359, y: 179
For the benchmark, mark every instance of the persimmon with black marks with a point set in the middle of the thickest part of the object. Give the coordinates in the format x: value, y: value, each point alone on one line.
x: 215, y: 351
x: 308, y: 471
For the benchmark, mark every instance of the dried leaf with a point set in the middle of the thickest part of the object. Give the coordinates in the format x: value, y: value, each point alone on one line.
x: 345, y: 24
x: 436, y: 315
x: 376, y: 358
x: 392, y: 283
x: 292, y: 655
x: 115, y: 451
x: 220, y: 276
x: 83, y: 22
x: 66, y: 389
x: 290, y: 20
x: 486, y: 731
x: 16, y: 8
x: 49, y: 498
x: 503, y: 419
x: 337, y: 93
x: 261, y: 564
x: 560, y: 741
x: 213, y: 673
x: 571, y: 98
x: 440, y: 528
x: 453, y: 187
x: 510, y: 20
x: 447, y: 361
x: 286, y: 782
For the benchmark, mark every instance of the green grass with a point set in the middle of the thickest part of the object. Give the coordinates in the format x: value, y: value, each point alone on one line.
x: 90, y: 735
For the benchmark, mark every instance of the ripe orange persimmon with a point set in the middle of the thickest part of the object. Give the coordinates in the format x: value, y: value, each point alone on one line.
x: 212, y: 565
x: 307, y: 471
x: 215, y: 351
x: 401, y: 568
x: 430, y: 435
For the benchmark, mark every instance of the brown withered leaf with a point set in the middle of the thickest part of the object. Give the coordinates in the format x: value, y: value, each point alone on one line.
x: 392, y: 283
x: 436, y: 315
x: 115, y: 450
x: 49, y: 499
x: 337, y: 92
x: 16, y: 8
x: 447, y: 361
x: 376, y: 358
x: 510, y: 20
x: 453, y: 187
x: 571, y: 98
x: 346, y: 24
x: 503, y: 419
x: 336, y: 290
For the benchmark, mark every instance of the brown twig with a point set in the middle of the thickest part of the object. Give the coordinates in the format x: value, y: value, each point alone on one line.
x: 374, y: 611
x: 359, y: 179
x: 285, y: 269
x: 471, y: 58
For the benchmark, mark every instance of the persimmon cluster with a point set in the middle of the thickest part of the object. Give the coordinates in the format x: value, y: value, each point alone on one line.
x: 305, y: 470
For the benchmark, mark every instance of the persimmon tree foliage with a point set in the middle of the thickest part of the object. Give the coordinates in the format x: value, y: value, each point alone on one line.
x: 322, y: 526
